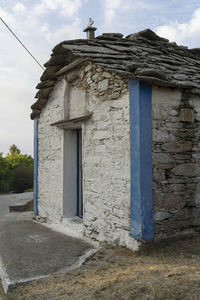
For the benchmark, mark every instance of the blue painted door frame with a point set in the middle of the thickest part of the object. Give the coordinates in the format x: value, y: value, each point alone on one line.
x: 141, y: 208
x: 35, y: 177
x: 79, y: 175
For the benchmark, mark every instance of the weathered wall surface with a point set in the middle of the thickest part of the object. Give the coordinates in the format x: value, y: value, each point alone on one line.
x: 106, y: 154
x: 106, y: 158
x: 76, y: 98
x: 50, y: 149
x: 175, y: 157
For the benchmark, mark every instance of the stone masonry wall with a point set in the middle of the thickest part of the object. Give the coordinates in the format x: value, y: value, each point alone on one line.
x: 175, y: 155
x: 106, y: 157
x: 105, y: 151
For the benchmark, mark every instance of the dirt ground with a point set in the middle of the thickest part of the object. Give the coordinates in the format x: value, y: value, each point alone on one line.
x: 166, y: 270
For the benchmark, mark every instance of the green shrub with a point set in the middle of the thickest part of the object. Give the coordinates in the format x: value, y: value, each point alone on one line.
x: 5, y: 175
x: 16, y: 171
x: 22, y: 178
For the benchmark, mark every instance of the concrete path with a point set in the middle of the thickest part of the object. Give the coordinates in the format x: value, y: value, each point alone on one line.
x: 29, y: 250
x: 12, y: 199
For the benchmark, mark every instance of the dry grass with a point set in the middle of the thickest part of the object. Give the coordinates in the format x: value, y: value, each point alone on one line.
x: 166, y: 270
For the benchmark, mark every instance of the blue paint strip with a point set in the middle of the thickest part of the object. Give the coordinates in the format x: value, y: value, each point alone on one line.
x: 141, y: 208
x: 35, y: 178
x: 77, y: 174
x: 81, y: 175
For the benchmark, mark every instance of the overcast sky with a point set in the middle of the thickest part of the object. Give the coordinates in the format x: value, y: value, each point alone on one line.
x: 41, y: 24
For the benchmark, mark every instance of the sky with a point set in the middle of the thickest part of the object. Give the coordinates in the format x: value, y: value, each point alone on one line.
x: 41, y: 24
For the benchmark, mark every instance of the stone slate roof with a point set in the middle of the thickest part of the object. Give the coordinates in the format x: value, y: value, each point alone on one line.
x: 143, y: 55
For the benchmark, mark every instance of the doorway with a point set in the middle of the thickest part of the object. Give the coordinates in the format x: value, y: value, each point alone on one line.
x: 72, y: 181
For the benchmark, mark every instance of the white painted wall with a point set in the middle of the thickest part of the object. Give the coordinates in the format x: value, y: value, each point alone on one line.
x: 50, y: 158
x: 106, y: 169
x: 106, y: 162
x: 76, y: 102
x: 52, y: 149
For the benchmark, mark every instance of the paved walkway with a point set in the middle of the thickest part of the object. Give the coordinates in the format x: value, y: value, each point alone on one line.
x: 12, y: 199
x: 29, y: 250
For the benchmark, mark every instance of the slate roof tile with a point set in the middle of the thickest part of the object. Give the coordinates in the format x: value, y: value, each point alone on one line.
x: 143, y: 56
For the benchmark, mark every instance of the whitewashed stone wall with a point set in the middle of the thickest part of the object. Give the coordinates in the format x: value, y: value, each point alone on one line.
x: 175, y: 163
x: 106, y: 154
x: 106, y: 158
x: 77, y: 106
x: 50, y: 156
x: 106, y: 165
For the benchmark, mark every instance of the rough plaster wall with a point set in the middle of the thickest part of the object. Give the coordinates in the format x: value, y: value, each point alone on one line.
x: 76, y: 102
x: 50, y: 150
x: 106, y: 159
x: 106, y: 154
x: 106, y: 165
x: 175, y: 164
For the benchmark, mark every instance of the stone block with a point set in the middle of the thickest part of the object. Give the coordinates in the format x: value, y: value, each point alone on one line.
x: 186, y: 170
x: 88, y: 67
x: 180, y: 225
x: 176, y: 187
x: 173, y: 119
x: 161, y: 215
x: 103, y: 85
x: 173, y: 112
x: 195, y: 219
x: 162, y: 158
x: 160, y: 111
x: 165, y: 166
x: 184, y: 133
x: 175, y: 180
x: 158, y: 174
x: 197, y: 194
x: 182, y: 214
x: 182, y: 156
x: 177, y: 147
x: 160, y: 135
x: 106, y: 75
x: 114, y: 95
x: 95, y: 76
x: 168, y: 201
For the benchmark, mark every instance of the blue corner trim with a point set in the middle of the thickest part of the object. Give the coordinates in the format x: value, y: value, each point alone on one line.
x: 141, y: 208
x: 77, y: 174
x: 35, y: 178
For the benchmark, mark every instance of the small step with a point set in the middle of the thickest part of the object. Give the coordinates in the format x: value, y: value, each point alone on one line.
x: 27, y: 206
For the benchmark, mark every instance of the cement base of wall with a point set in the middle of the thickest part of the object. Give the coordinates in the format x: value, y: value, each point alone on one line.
x: 74, y: 227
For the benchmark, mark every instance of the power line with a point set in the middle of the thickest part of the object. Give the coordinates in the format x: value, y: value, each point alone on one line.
x: 22, y: 43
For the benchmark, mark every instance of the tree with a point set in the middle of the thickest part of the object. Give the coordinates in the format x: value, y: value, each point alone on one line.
x: 15, y: 159
x: 16, y: 171
x: 5, y: 175
x: 22, y: 169
x: 13, y: 149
